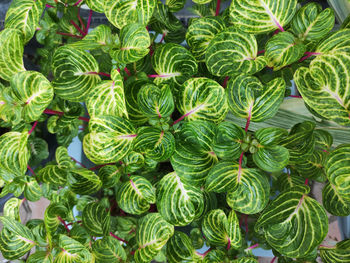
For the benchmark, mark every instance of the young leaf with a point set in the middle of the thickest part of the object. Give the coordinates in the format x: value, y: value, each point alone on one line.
x: 83, y: 181
x: 96, y: 219
x: 109, y: 175
x: 262, y: 16
x: 108, y: 250
x: 63, y: 159
x: 232, y: 52
x: 271, y: 158
x: 52, y: 212
x: 11, y: 209
x: 53, y: 174
x: 32, y: 190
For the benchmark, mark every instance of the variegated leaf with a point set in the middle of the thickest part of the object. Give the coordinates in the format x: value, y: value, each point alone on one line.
x: 63, y: 159
x: 282, y: 50
x: 178, y: 202
x: 152, y: 234
x: 53, y: 174
x: 136, y: 195
x: 134, y: 44
x: 72, y: 251
x: 338, y: 254
x: 52, y: 212
x: 179, y: 248
x: 245, y: 260
x: 109, y: 140
x: 14, y: 152
x: 11, y: 208
x: 96, y: 219
x: 294, y: 224
x: 261, y: 16
x: 96, y: 5
x: 199, y: 34
x: 173, y: 62
x: 83, y: 181
x: 336, y: 42
x: 108, y: 250
x: 175, y: 5
x: 75, y: 71
x: 325, y: 86
x: 202, y: 99
x: 32, y: 190
x: 232, y: 52
x: 15, y: 238
x: 122, y: 13
x: 312, y: 167
x: 33, y: 91
x: 312, y: 23
x: 11, y: 56
x: 323, y: 139
x: 215, y: 256
x: 221, y: 230
x: 107, y: 98
x: 333, y: 202
x: 248, y: 189
x: 40, y: 256
x: 109, y: 175
x: 24, y: 15
x: 248, y: 98
x: 271, y: 158
x: 288, y: 180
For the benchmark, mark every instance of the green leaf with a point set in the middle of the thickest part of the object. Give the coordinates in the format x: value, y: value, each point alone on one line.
x: 270, y: 135
x: 221, y: 230
x: 109, y: 140
x: 179, y: 248
x: 107, y: 98
x: 312, y: 167
x: 333, y: 202
x: 175, y: 5
x: 245, y: 260
x: 248, y: 189
x: 14, y: 152
x: 52, y: 212
x: 39, y: 151
x: 156, y: 102
x: 248, y: 98
x: 227, y: 141
x: 288, y: 180
x: 75, y: 73
x: 152, y: 234
x: 33, y: 91
x: 202, y: 99
x: 192, y: 167
x: 323, y: 139
x: 294, y: 224
x: 96, y: 219
x: 53, y: 174
x: 32, y: 190
x: 282, y: 50
x: 11, y: 57
x: 271, y: 158
x: 109, y: 175
x: 123, y: 13
x: 325, y: 86
x: 262, y: 16
x: 199, y: 34
x: 232, y: 52
x: 178, y: 202
x: 15, y: 239
x: 11, y: 209
x: 96, y: 5
x: 63, y: 159
x: 24, y: 15
x: 108, y: 250
x: 72, y: 251
x: 312, y: 23
x: 336, y: 42
x: 215, y: 256
x: 338, y: 254
x: 173, y: 62
x: 134, y: 44
x: 40, y: 257
x: 135, y: 195
x: 83, y: 181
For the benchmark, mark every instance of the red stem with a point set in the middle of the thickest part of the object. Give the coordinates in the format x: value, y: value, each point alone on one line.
x: 229, y: 244
x: 309, y: 54
x: 88, y: 22
x: 306, y: 181
x: 120, y: 239
x: 127, y: 71
x: 78, y: 28
x: 225, y: 81
x: 53, y: 112
x: 217, y: 11
x: 273, y: 260
x: 100, y: 166
x: 261, y: 51
x: 179, y: 119
x: 253, y: 246
x: 69, y: 35
x: 74, y: 222
x: 205, y: 253
x: 78, y: 2
x: 49, y: 6
x: 31, y: 170
x: 81, y: 21
x: 163, y: 36
x: 248, y: 120
x: 295, y: 96
x: 82, y: 165
x: 33, y: 128
x: 64, y: 223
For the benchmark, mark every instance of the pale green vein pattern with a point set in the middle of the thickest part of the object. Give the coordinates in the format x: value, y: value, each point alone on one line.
x: 261, y: 16
x: 333, y: 202
x: 338, y: 41
x: 338, y: 254
x: 96, y: 5
x: 72, y: 251
x: 152, y: 234
x: 75, y: 73
x: 11, y: 209
x: 96, y: 220
x: 136, y: 195
x: 11, y: 53
x: 83, y: 181
x: 232, y: 52
x: 53, y: 174
x: 179, y: 203
x: 179, y: 248
x: 108, y: 250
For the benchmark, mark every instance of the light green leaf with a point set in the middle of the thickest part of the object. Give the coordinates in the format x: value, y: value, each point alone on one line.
x: 338, y: 41
x: 109, y: 140
x: 338, y: 254
x: 261, y: 16
x: 83, y: 181
x: 271, y: 158
x: 135, y: 195
x: 39, y: 151
x: 134, y: 44
x: 312, y: 23
x: 53, y: 174
x: 32, y: 190
x: 333, y: 202
x: 11, y: 57
x: 215, y: 256
x: 288, y: 180
x: 109, y: 175
x: 15, y: 238
x: 282, y: 50
x: 202, y: 99
x: 199, y: 34
x: 96, y: 219
x: 96, y: 5
x: 52, y: 212
x: 175, y: 5
x: 33, y: 91
x: 108, y: 250
x: 107, y: 98
x: 245, y: 260
x: 179, y: 248
x: 325, y: 86
x: 152, y: 234
x: 312, y: 167
x: 232, y: 52
x: 294, y: 224
x: 122, y: 13
x: 72, y: 251
x: 173, y: 62
x: 178, y: 202
x: 249, y: 98
x: 11, y: 209
x: 323, y: 139
x: 63, y: 159
x: 24, y: 15
x: 75, y: 73
x: 40, y: 257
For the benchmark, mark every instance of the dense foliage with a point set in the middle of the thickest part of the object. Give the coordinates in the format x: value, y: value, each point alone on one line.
x: 171, y: 172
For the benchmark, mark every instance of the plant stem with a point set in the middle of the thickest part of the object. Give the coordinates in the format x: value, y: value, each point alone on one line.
x: 100, y: 166
x: 217, y: 11
x: 69, y: 35
x: 203, y: 254
x: 73, y: 223
x: 76, y: 161
x: 31, y: 170
x: 88, y: 22
x: 49, y: 6
x: 273, y: 260
x: 78, y: 2
x: 306, y: 181
x: 309, y: 54
x: 64, y: 223
x: 53, y: 112
x: 228, y: 244
x: 261, y: 52
x: 33, y: 128
x: 253, y: 246
x: 127, y: 71
x: 78, y: 28
x: 120, y: 239
x: 225, y: 81
x: 163, y: 36
x: 295, y: 96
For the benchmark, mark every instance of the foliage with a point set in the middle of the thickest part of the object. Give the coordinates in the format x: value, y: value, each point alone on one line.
x: 166, y: 156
